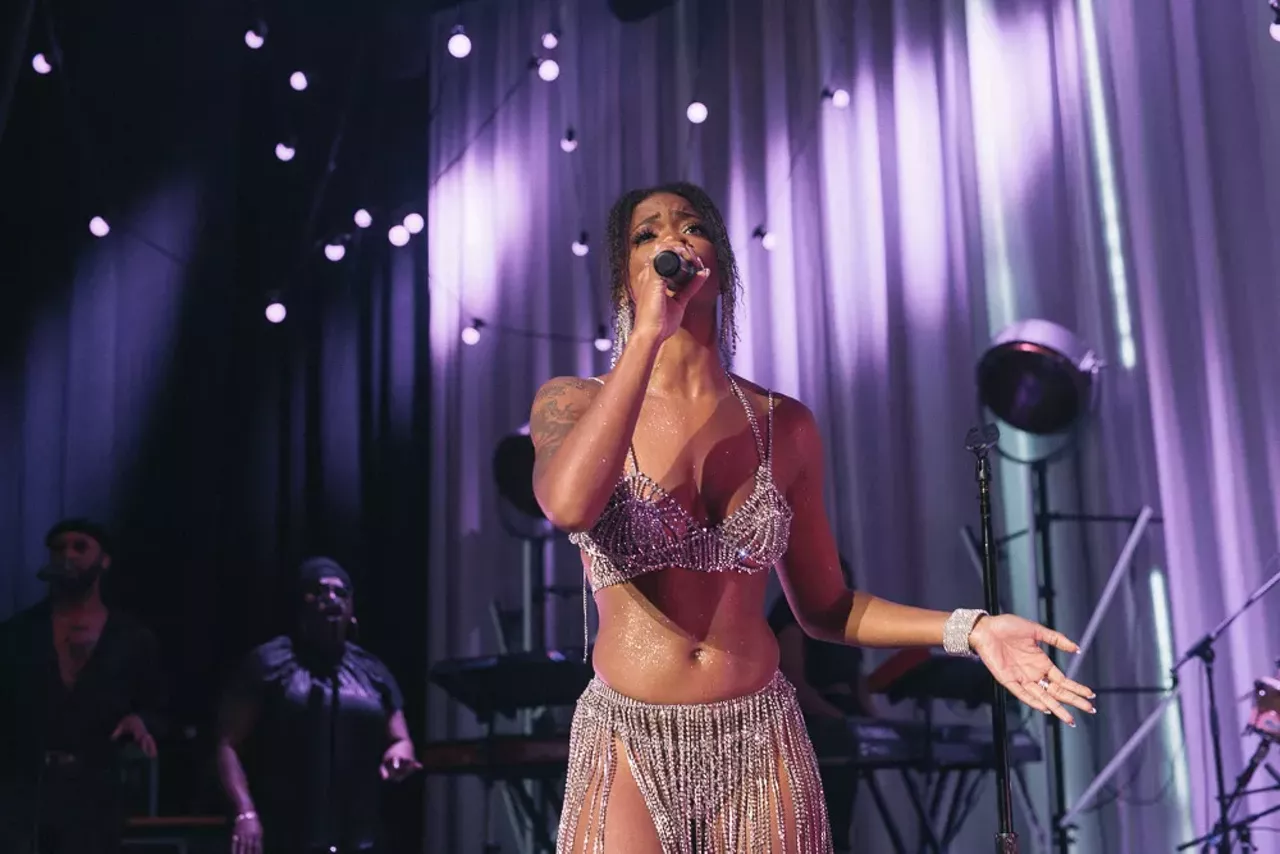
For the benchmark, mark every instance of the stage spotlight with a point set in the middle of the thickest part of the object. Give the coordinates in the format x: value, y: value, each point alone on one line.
x: 569, y: 142
x: 41, y: 64
x: 1038, y: 377
x: 580, y: 246
x: 603, y: 344
x: 697, y: 112
x: 363, y: 219
x: 414, y: 223
x: 459, y: 43
x: 471, y: 334
x: 98, y: 227
x: 298, y: 81
x: 513, y: 473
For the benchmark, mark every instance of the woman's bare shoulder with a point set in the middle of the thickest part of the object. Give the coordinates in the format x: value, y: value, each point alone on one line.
x: 787, y: 410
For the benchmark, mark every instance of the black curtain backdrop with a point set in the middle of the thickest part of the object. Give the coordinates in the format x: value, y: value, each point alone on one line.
x: 139, y: 380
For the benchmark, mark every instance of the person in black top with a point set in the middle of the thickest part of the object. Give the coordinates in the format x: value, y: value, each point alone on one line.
x: 319, y: 721
x: 830, y: 687
x: 79, y: 681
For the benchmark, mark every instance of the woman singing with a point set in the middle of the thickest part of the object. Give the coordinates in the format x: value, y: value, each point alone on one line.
x: 324, y: 720
x: 684, y: 485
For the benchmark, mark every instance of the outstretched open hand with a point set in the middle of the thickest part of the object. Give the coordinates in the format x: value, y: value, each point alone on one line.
x: 1010, y: 648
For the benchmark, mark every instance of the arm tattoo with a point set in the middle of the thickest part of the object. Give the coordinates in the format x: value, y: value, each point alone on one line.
x: 555, y: 414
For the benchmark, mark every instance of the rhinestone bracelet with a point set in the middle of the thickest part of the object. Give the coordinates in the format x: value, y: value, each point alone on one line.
x: 957, y: 628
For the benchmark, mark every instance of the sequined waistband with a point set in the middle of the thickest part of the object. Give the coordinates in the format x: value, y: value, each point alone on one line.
x: 753, y: 714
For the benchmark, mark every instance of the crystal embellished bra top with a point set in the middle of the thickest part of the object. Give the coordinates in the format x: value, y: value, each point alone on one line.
x: 643, y: 529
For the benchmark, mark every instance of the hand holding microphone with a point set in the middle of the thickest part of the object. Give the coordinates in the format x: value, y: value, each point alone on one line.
x: 663, y: 285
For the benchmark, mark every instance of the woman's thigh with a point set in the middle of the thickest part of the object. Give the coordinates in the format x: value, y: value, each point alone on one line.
x: 627, y: 824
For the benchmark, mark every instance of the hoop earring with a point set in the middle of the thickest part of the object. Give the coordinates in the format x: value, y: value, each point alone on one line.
x: 622, y: 321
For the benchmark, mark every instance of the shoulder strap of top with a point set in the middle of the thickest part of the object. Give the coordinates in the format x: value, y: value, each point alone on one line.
x: 768, y: 453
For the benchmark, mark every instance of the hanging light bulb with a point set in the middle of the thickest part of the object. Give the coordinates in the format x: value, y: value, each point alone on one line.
x: 298, y: 81
x: 550, y: 40
x: 335, y: 252
x: 414, y: 223
x: 254, y: 39
x: 471, y: 334
x: 767, y: 241
x: 285, y: 152
x: 276, y: 312
x: 580, y: 246
x: 41, y: 64
x: 697, y: 112
x: 548, y: 69
x: 398, y: 235
x: 569, y: 142
x: 363, y: 218
x: 839, y: 97
x: 459, y: 43
x: 98, y: 227
x: 603, y: 344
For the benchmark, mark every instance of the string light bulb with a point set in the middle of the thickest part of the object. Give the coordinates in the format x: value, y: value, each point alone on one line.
x: 580, y: 247
x: 459, y: 43
x: 285, y: 152
x: 414, y: 223
x: 298, y: 81
x: 766, y: 238
x: 398, y: 235
x: 363, y: 218
x: 335, y: 251
x: 471, y: 334
x: 548, y: 69
x: 98, y: 227
x: 1275, y: 22
x: 550, y: 40
x: 603, y: 344
x: 697, y: 112
x: 276, y: 312
x: 253, y: 39
x: 569, y: 142
x: 41, y: 64
x: 839, y: 98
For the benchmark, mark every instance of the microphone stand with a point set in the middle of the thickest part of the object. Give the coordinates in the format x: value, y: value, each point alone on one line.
x: 1203, y: 650
x: 979, y: 442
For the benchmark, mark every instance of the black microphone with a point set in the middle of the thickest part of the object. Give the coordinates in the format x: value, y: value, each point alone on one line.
x: 673, y: 267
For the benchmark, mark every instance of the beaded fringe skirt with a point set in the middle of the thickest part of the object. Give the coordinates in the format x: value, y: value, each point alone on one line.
x: 712, y: 775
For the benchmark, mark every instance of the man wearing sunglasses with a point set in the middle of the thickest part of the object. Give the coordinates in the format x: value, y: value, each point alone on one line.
x: 319, y: 722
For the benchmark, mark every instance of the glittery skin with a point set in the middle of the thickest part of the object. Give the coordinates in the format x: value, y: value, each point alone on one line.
x: 711, y: 774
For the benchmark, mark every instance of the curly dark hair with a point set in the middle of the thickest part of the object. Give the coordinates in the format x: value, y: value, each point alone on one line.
x: 619, y: 231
